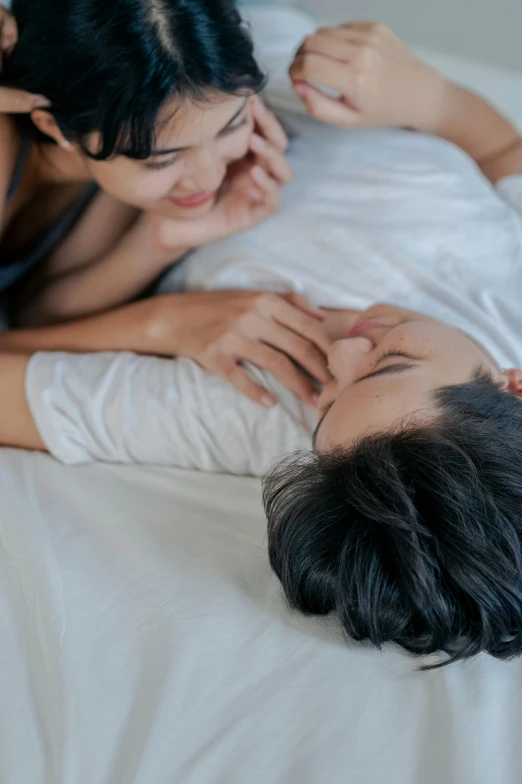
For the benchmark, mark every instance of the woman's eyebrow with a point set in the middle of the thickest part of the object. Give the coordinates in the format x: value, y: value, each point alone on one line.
x: 236, y: 115
x: 172, y: 150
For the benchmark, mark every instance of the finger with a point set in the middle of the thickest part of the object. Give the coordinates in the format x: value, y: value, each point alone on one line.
x: 272, y: 158
x: 301, y: 302
x: 334, y: 111
x: 268, y: 186
x: 290, y: 316
x: 324, y: 71
x: 235, y: 375
x: 281, y: 367
x: 356, y: 33
x: 268, y: 125
x: 255, y: 195
x: 270, y: 201
x: 301, y: 350
x: 8, y: 33
x: 20, y: 102
x: 363, y: 27
x: 334, y: 47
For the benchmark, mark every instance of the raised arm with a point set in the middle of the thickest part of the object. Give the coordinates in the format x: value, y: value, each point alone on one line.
x: 380, y: 82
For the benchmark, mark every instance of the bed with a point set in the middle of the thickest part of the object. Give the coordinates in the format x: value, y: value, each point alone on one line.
x: 145, y: 639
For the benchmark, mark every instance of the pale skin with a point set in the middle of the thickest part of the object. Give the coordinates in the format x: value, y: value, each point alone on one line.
x: 380, y: 83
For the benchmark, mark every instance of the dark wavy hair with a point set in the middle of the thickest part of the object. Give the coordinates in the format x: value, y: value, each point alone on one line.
x: 111, y: 65
x: 412, y: 537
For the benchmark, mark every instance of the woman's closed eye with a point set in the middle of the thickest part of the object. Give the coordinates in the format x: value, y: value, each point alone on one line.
x: 155, y: 165
x: 233, y: 128
x: 164, y: 164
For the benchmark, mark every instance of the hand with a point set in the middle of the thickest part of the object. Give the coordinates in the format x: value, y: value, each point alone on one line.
x: 222, y: 329
x: 14, y: 101
x: 250, y: 194
x: 379, y: 80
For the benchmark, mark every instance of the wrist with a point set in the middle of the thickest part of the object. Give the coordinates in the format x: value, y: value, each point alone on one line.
x: 435, y: 94
x: 161, y: 325
x: 150, y: 233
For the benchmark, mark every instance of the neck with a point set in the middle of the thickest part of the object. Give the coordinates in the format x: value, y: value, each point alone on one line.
x: 59, y: 167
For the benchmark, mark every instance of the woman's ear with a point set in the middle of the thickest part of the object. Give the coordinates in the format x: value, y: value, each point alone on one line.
x: 47, y: 125
x: 513, y: 377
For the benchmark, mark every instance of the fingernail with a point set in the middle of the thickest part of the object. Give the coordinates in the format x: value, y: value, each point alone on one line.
x: 267, y: 401
x: 40, y: 102
x: 315, y: 399
x: 299, y: 89
x: 257, y: 143
x: 259, y: 175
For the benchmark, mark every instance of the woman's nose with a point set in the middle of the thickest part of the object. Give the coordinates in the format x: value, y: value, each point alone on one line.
x: 345, y: 355
x: 207, y: 173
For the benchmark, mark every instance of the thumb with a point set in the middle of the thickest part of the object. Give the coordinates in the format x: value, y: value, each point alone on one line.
x: 20, y: 102
x: 329, y: 110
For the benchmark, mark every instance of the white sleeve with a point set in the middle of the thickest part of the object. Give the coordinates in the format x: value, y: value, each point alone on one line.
x: 510, y: 188
x: 125, y: 408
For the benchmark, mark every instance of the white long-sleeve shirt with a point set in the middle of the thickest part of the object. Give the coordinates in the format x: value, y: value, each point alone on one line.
x: 371, y: 216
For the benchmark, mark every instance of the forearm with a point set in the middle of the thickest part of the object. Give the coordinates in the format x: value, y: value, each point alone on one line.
x: 100, y: 285
x: 17, y: 427
x: 471, y: 123
x: 131, y: 327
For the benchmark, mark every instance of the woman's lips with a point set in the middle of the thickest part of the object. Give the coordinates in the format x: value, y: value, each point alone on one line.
x: 194, y: 201
x: 364, y: 326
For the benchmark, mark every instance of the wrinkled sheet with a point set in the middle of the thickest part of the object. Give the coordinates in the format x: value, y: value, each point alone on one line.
x: 145, y: 641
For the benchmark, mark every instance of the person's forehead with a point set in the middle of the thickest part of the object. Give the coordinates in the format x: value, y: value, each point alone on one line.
x: 376, y: 405
x: 188, y: 121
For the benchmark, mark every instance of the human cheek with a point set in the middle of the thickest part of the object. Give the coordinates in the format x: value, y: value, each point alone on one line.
x: 236, y: 146
x: 148, y: 188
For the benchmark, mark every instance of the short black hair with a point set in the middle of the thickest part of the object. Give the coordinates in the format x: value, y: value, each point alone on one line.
x: 111, y: 65
x: 414, y: 536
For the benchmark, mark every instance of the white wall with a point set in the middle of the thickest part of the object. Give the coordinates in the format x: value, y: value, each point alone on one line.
x: 488, y: 30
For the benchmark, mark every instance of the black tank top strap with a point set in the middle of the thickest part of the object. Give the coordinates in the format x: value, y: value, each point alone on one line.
x: 19, y: 169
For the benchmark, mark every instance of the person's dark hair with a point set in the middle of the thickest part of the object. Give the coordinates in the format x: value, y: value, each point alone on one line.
x: 412, y: 537
x: 111, y: 65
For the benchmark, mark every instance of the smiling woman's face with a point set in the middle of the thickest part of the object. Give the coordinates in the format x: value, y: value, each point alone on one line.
x: 195, y: 147
x: 386, y: 371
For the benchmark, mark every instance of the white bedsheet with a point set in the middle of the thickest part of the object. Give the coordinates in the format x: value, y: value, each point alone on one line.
x: 145, y: 641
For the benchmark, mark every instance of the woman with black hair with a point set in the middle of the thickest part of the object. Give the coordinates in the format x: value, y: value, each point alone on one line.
x: 149, y: 142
